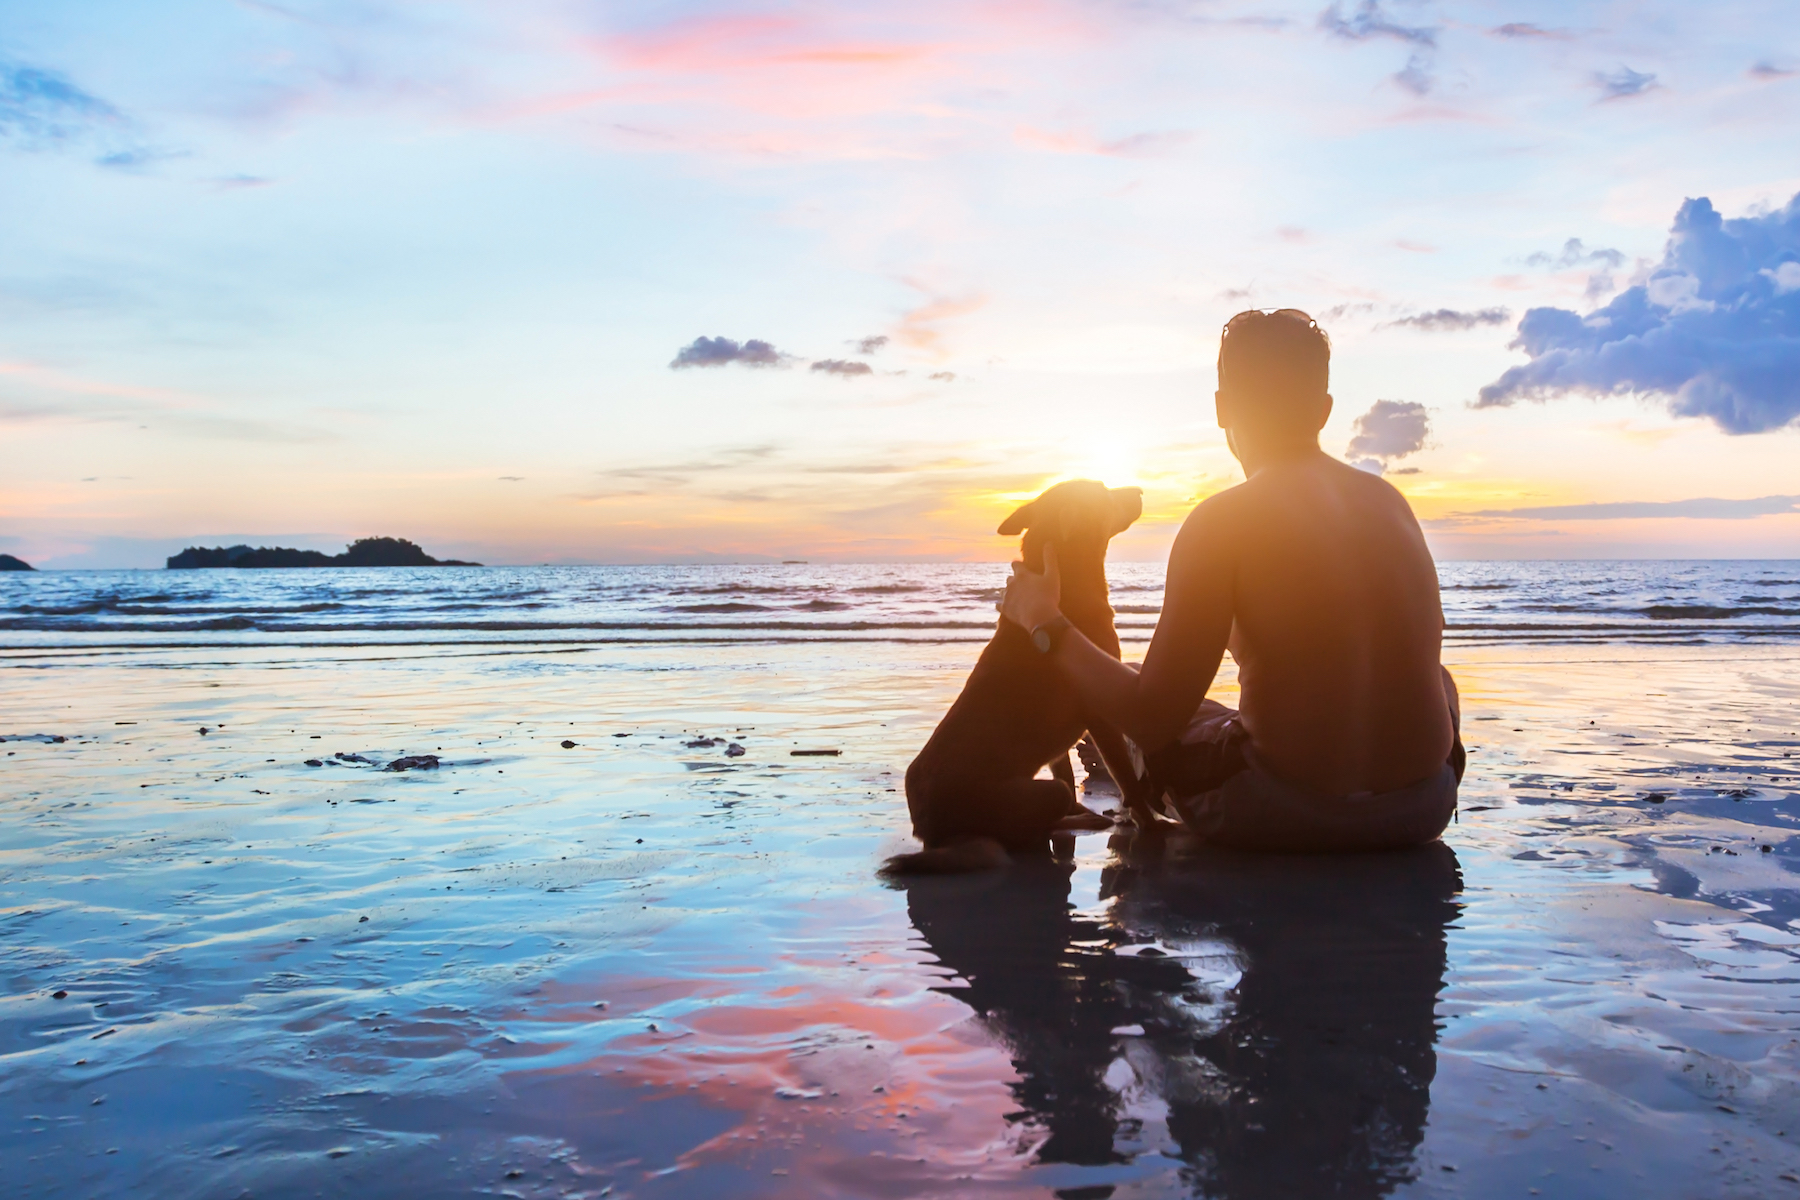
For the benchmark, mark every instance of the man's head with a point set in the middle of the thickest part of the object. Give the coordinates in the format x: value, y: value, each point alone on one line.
x: 1274, y: 380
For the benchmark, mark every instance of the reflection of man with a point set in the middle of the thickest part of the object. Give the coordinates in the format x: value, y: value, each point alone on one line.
x: 1327, y: 1052
x: 1310, y: 1076
x: 1316, y: 577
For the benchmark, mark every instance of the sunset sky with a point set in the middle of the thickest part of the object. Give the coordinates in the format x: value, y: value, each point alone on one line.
x: 551, y: 281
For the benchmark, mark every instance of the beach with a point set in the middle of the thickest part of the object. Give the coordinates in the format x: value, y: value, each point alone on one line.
x: 596, y: 951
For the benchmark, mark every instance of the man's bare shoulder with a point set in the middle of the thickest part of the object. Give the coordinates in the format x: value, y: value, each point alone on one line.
x: 1286, y: 485
x: 1213, y: 518
x: 1320, y: 491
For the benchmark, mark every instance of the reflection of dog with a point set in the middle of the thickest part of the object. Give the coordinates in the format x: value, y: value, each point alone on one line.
x: 973, y: 789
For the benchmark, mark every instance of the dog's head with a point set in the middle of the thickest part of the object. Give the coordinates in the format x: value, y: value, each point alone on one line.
x: 1079, y: 517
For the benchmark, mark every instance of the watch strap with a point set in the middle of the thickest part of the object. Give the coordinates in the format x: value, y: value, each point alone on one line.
x: 1048, y: 636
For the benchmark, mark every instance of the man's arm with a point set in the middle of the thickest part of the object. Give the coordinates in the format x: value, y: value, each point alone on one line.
x: 1152, y: 705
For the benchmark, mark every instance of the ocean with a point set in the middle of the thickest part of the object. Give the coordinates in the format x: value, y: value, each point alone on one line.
x: 626, y: 937
x: 1484, y: 602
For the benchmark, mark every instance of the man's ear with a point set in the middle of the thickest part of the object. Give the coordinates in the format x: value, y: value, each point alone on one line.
x: 1219, y: 409
x: 1326, y: 414
x: 1019, y: 522
x: 1128, y: 506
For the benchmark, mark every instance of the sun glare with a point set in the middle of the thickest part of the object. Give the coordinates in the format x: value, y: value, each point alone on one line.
x: 1111, y: 460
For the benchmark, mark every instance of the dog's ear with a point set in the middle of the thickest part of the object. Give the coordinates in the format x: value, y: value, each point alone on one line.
x: 1020, y: 520
x: 1128, y: 506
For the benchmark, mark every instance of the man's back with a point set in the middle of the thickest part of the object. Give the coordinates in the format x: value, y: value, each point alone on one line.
x: 1336, y: 626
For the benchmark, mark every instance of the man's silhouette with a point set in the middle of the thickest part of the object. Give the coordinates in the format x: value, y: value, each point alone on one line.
x: 1316, y: 576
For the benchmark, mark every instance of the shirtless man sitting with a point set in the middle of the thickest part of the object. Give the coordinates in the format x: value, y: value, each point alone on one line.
x: 1316, y: 577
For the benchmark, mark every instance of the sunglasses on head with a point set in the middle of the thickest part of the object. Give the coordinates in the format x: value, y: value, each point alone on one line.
x: 1257, y: 314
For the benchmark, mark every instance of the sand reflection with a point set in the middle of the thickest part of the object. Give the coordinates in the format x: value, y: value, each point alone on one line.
x: 1270, y: 1022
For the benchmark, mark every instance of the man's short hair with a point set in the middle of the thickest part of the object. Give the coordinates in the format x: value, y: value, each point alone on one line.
x: 1281, y: 358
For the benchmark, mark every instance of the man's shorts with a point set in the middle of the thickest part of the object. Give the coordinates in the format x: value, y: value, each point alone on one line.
x: 1223, y: 793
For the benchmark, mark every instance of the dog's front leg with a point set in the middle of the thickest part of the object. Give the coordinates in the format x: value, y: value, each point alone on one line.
x: 1136, y: 790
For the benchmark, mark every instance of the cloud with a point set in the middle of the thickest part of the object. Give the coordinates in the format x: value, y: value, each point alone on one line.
x: 642, y: 479
x: 1714, y: 328
x: 1149, y: 144
x: 1449, y: 319
x: 40, y: 394
x: 870, y: 345
x: 1369, y: 21
x: 43, y: 107
x: 1786, y: 277
x: 1416, y: 76
x: 1622, y: 83
x: 943, y: 376
x: 136, y: 158
x: 43, y: 110
x: 920, y: 327
x: 842, y: 368
x: 1575, y: 254
x: 1705, y: 509
x: 1768, y: 70
x: 718, y: 351
x: 1391, y: 429
x: 1350, y: 308
x: 1524, y: 29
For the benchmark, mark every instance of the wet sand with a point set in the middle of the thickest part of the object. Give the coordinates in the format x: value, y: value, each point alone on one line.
x: 639, y: 967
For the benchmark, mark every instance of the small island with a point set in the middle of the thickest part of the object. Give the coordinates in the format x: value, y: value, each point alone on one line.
x: 9, y: 563
x: 364, y: 552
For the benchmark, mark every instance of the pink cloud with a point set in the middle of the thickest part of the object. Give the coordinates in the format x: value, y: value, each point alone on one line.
x: 919, y: 328
x: 831, y: 82
x: 1137, y: 145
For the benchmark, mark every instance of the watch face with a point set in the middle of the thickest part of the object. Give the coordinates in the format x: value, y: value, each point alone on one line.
x: 1040, y: 638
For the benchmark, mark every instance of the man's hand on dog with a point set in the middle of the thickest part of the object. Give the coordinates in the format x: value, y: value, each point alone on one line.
x: 1032, y: 598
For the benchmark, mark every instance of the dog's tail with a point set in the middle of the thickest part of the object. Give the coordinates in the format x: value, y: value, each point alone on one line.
x: 958, y: 858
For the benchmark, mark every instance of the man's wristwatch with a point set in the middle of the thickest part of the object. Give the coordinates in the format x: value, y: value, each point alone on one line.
x: 1048, y: 636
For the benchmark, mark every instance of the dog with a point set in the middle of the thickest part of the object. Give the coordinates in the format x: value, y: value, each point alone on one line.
x: 973, y: 790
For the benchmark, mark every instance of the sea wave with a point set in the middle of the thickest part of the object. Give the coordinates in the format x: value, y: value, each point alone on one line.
x: 729, y: 607
x: 1482, y: 602
x: 1713, y: 612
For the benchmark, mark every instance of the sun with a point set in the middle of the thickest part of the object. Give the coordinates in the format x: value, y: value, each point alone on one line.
x: 1111, y: 460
